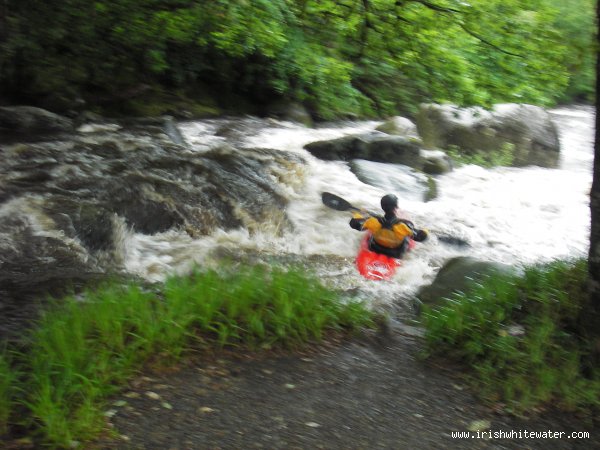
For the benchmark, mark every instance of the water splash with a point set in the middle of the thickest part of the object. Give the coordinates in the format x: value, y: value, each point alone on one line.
x: 512, y: 215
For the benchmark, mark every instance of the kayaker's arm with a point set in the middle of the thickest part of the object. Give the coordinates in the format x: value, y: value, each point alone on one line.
x: 407, y: 228
x: 365, y: 223
x: 357, y: 221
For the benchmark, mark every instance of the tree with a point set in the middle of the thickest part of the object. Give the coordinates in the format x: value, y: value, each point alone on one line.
x: 592, y: 314
x: 575, y: 22
x: 359, y: 57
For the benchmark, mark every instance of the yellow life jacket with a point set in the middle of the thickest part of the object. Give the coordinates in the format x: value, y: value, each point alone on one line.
x: 388, y: 233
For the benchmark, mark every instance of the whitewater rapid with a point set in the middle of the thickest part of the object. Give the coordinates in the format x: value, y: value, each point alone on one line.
x: 517, y: 216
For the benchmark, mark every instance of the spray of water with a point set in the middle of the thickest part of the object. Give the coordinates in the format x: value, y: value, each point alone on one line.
x: 512, y: 215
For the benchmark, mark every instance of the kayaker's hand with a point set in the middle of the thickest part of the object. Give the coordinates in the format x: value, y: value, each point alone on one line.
x: 421, y: 235
x: 357, y: 223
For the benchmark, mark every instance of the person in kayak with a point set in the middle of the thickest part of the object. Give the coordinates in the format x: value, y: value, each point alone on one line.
x: 390, y: 235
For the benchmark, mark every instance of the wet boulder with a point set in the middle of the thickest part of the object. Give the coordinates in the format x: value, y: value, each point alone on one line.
x: 399, y: 126
x: 135, y: 175
x: 69, y: 206
x: 524, y: 133
x: 436, y: 162
x: 29, y: 120
x: 29, y: 241
x: 39, y: 256
x: 457, y: 275
x: 90, y: 224
x: 373, y: 146
x: 290, y: 111
x: 405, y: 181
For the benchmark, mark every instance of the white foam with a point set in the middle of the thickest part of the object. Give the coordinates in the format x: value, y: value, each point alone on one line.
x: 511, y: 215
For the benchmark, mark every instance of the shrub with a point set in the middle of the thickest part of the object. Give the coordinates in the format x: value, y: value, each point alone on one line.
x: 518, y: 334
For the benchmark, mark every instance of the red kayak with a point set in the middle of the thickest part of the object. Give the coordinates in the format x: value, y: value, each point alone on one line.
x: 375, y: 266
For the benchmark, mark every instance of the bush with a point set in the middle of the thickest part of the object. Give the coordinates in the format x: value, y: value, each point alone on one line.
x: 518, y: 334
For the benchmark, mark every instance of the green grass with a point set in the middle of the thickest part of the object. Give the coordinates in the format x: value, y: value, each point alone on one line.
x: 518, y: 335
x: 84, y: 349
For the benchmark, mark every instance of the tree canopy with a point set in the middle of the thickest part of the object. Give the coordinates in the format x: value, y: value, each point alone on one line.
x: 340, y: 58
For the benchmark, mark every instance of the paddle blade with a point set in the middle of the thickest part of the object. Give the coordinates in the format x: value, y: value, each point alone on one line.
x: 335, y: 202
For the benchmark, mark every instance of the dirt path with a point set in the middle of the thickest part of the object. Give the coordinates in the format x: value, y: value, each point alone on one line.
x: 372, y: 393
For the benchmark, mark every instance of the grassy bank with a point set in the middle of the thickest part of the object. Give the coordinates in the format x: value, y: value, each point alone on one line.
x: 518, y: 334
x: 85, y: 348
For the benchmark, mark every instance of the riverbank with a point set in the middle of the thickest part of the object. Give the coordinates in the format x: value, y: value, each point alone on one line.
x: 374, y: 392
x: 85, y: 348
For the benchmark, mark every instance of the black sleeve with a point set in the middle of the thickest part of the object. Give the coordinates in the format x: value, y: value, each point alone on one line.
x: 357, y: 224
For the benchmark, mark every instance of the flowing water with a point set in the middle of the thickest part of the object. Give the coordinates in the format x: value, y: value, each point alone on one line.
x: 516, y: 216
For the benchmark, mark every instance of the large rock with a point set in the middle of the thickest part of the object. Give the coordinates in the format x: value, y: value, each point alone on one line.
x: 26, y: 120
x: 399, y: 126
x: 456, y: 276
x: 67, y: 206
x: 291, y: 111
x: 526, y: 131
x: 373, y: 146
x: 408, y: 183
x: 436, y: 162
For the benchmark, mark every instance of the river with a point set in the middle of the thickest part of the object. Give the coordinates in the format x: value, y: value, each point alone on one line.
x: 518, y: 216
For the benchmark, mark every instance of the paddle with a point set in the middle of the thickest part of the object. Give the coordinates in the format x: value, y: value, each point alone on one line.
x: 339, y: 204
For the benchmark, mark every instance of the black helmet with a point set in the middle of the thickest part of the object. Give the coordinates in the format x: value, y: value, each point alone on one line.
x: 389, y: 202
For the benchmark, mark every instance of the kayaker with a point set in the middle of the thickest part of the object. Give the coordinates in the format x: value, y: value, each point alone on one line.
x: 390, y: 235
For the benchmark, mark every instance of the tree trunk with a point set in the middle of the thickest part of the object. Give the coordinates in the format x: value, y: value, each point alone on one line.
x: 3, y: 20
x: 592, y: 312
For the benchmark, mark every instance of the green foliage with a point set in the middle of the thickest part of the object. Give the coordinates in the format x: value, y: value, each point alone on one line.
x: 502, y: 157
x: 244, y: 28
x: 518, y: 335
x: 576, y: 26
x: 526, y: 66
x: 84, y: 349
x: 356, y: 58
